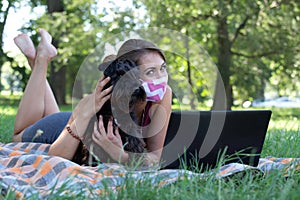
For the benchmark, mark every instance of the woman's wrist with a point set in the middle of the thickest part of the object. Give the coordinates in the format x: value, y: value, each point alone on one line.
x: 117, y: 154
x: 124, y: 157
x: 83, y: 117
x: 84, y: 109
x: 73, y: 133
x: 79, y: 124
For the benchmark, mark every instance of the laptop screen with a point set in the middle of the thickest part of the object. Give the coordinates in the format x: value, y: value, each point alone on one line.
x: 201, y: 138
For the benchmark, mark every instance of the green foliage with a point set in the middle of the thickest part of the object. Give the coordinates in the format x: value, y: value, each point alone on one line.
x: 262, y: 34
x: 5, y: 7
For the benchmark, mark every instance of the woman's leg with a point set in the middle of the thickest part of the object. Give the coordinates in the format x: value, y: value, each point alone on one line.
x: 26, y: 46
x: 37, y: 92
x: 47, y: 129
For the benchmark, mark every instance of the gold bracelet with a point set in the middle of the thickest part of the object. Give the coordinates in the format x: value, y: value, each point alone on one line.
x: 68, y: 127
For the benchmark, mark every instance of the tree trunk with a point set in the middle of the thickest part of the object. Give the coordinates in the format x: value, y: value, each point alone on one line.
x: 77, y: 89
x: 222, y: 102
x: 58, y: 82
x: 3, y: 56
x: 192, y: 96
x: 261, y: 90
x: 1, y: 64
x: 57, y: 77
x: 55, y: 6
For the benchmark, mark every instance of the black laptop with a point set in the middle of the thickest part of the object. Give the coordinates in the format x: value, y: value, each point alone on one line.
x: 203, y: 139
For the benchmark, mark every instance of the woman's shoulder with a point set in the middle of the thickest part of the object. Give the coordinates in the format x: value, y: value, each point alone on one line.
x: 166, y: 101
x: 169, y: 89
x: 167, y: 97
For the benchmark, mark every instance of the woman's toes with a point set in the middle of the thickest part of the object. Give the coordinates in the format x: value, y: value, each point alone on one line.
x: 25, y: 44
x: 45, y: 35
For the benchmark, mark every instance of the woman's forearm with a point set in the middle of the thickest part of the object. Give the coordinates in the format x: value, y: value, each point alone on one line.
x: 66, y: 145
x: 124, y: 157
x: 67, y: 142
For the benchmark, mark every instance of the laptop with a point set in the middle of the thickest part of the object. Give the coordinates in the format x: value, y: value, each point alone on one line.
x: 202, y: 140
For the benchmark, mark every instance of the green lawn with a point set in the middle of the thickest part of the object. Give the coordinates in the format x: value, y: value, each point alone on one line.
x: 283, y: 139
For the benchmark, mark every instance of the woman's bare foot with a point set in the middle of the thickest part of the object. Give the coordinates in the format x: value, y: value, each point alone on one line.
x: 45, y: 48
x: 25, y: 44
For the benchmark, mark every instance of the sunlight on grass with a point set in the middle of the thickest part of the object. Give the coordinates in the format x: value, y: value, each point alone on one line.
x: 8, y: 110
x: 284, y: 124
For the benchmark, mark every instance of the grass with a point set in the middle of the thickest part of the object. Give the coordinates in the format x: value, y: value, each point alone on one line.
x: 282, y: 140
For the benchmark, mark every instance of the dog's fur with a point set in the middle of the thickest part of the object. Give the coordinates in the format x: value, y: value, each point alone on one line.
x: 123, y: 100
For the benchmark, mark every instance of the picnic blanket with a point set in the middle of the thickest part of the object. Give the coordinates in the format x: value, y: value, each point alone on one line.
x: 27, y: 170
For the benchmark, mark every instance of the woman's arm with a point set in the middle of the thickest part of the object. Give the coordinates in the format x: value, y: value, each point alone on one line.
x: 66, y: 144
x: 157, y: 129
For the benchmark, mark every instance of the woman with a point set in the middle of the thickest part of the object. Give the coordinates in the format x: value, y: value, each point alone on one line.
x: 38, y: 104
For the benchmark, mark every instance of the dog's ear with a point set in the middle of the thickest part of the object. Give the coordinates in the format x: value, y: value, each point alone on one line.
x: 110, y: 71
x: 118, y: 68
x: 124, y: 66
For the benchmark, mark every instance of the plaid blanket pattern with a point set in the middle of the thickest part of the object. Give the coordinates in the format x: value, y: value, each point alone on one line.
x: 27, y: 170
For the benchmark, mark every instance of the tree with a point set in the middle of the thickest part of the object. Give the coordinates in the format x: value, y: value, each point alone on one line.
x: 5, y: 7
x: 253, y: 43
x: 70, y: 24
x: 272, y: 50
x: 77, y: 28
x: 57, y: 77
x: 235, y: 34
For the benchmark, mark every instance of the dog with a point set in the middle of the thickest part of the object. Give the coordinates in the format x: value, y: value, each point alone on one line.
x: 125, y: 96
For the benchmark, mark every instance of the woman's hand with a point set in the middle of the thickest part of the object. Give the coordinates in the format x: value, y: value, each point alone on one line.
x: 100, y: 95
x: 109, y: 140
x: 106, y: 138
x: 66, y: 145
x: 90, y: 105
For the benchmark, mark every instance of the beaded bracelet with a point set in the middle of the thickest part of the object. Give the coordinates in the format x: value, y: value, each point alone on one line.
x: 73, y: 134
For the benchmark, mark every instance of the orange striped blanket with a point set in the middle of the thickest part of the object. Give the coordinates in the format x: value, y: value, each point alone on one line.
x: 27, y: 170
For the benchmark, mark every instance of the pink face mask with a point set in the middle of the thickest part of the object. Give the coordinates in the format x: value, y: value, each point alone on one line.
x: 155, y: 89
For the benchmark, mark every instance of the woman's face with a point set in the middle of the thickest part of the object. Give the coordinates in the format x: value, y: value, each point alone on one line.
x: 152, y: 66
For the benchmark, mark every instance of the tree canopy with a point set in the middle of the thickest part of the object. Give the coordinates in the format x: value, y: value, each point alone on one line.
x: 246, y: 48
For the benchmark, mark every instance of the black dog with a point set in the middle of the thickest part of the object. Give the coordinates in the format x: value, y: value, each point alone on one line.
x: 128, y: 91
x: 125, y: 96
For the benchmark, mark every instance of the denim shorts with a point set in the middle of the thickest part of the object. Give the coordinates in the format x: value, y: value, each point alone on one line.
x: 51, y: 127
